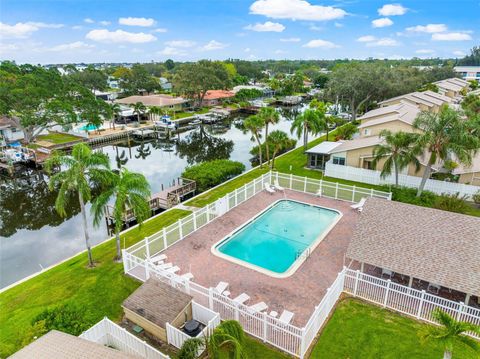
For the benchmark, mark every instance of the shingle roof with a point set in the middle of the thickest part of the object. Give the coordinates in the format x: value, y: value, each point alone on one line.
x: 357, y: 143
x: 58, y: 345
x: 433, y: 245
x: 157, y: 302
x: 324, y: 148
x: 152, y: 100
x: 218, y: 94
x: 449, y: 85
x: 403, y: 112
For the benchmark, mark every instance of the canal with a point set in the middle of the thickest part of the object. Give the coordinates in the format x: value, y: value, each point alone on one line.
x: 33, y: 236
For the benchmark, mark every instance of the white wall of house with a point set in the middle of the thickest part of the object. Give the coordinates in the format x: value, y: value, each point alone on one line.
x: 11, y: 134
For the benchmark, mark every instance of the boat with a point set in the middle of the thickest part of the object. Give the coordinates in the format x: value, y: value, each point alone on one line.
x: 17, y: 154
x: 195, y: 122
x: 166, y: 122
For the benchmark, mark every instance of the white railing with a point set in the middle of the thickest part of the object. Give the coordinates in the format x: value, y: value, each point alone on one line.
x: 406, y: 300
x: 373, y: 177
x: 108, y: 333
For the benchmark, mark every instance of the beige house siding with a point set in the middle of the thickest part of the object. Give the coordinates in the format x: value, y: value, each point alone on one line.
x: 470, y: 178
x: 393, y: 126
x: 422, y: 107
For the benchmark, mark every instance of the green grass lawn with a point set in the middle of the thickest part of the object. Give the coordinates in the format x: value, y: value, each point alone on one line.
x: 58, y: 138
x: 358, y: 330
x: 98, y: 291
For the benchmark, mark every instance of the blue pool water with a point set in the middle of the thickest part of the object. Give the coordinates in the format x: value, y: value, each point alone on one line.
x: 279, y: 236
x: 89, y: 127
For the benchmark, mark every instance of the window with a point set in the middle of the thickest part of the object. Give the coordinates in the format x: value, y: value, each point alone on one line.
x: 338, y: 161
x: 366, y: 131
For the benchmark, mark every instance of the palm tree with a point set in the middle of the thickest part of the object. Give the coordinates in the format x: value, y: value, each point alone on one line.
x: 127, y: 190
x: 309, y: 121
x: 321, y: 108
x: 279, y: 140
x: 449, y: 332
x: 269, y: 116
x: 398, y: 150
x: 138, y: 108
x: 81, y: 170
x: 445, y: 134
x: 155, y: 110
x: 254, y: 124
x: 115, y: 110
x: 228, y: 338
x: 345, y: 132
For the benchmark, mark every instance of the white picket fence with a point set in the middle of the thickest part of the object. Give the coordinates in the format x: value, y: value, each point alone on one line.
x: 204, y: 315
x: 108, y: 333
x: 373, y: 177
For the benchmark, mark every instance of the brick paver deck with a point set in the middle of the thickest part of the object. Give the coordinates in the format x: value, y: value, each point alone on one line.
x: 298, y: 293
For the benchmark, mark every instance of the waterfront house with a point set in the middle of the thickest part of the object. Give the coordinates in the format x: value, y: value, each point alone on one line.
x: 425, y: 101
x: 160, y: 100
x: 10, y: 130
x: 216, y: 97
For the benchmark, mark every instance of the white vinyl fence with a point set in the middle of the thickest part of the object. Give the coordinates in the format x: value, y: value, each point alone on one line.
x: 108, y: 333
x: 373, y: 177
x: 406, y: 300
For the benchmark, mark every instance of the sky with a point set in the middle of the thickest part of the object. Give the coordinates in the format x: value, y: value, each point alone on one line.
x: 65, y: 31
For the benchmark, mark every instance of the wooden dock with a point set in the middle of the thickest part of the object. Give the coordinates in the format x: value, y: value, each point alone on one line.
x: 162, y: 200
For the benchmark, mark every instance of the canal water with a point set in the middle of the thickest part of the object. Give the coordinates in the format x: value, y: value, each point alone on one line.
x: 33, y: 236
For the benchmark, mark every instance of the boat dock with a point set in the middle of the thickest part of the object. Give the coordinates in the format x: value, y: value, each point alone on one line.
x: 162, y: 200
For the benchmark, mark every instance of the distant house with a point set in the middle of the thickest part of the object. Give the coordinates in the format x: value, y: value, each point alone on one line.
x: 10, y: 131
x: 165, y: 84
x: 106, y: 95
x: 452, y: 87
x: 267, y: 91
x: 216, y: 97
x: 426, y: 101
x: 163, y: 101
x: 468, y: 73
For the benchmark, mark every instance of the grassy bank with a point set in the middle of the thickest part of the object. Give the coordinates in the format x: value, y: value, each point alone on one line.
x: 98, y: 291
x: 360, y: 330
x: 58, y: 138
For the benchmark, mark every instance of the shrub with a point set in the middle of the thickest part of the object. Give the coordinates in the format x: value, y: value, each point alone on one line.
x: 452, y: 203
x: 190, y: 348
x: 409, y: 195
x: 248, y: 94
x: 211, y: 173
x: 66, y: 318
x: 288, y: 146
x: 476, y: 198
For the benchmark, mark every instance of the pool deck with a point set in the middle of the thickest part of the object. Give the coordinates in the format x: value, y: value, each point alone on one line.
x: 298, y: 293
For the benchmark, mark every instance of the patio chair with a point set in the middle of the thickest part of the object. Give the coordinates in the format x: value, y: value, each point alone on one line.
x: 221, y: 287
x: 286, y: 317
x: 387, y: 273
x: 433, y: 288
x: 277, y: 185
x: 269, y: 188
x: 158, y: 259
x: 273, y: 314
x: 359, y: 206
x: 164, y: 266
x: 258, y: 307
x: 172, y: 270
x: 241, y: 299
x: 187, y: 276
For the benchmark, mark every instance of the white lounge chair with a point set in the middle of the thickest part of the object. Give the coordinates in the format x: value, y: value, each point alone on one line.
x: 359, y: 206
x: 174, y: 269
x: 273, y: 314
x: 164, y: 266
x: 433, y: 288
x: 269, y: 188
x: 286, y: 317
x: 187, y: 276
x: 258, y: 307
x: 242, y: 298
x: 387, y: 273
x: 277, y: 185
x: 159, y: 258
x: 221, y: 287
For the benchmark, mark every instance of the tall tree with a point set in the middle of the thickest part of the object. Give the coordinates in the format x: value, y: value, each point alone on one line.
x: 450, y: 332
x: 321, y: 108
x: 81, y: 170
x: 271, y: 117
x: 137, y: 79
x: 193, y: 80
x: 90, y: 78
x: 279, y: 140
x: 398, y: 150
x: 445, y: 134
x: 254, y: 124
x: 128, y: 191
x: 305, y: 123
x: 115, y: 111
x: 345, y: 132
x: 138, y: 108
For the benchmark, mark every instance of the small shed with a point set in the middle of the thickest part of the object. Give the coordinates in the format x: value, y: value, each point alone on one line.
x: 155, y: 304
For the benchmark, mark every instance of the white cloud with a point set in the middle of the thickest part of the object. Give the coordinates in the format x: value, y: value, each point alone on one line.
x: 338, y: 24
x: 266, y: 27
x: 136, y: 21
x: 451, y: 36
x: 425, y: 51
x: 280, y: 52
x: 172, y: 51
x: 392, y: 10
x: 88, y: 20
x: 247, y: 49
x: 386, y: 41
x: 291, y: 39
x: 366, y: 38
x: 160, y: 29
x: 295, y: 10
x: 321, y: 43
x: 214, y: 45
x: 180, y: 43
x: 315, y: 28
x: 77, y: 27
x: 429, y: 28
x: 22, y: 30
x: 119, y: 36
x: 77, y: 45
x: 458, y: 53
x: 8, y: 47
x: 104, y: 23
x: 382, y: 22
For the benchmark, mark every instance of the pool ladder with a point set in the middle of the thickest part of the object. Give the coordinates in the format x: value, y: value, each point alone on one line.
x: 303, y: 254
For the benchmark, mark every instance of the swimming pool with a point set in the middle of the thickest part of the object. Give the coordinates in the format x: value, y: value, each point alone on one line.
x: 279, y: 239
x: 89, y: 127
